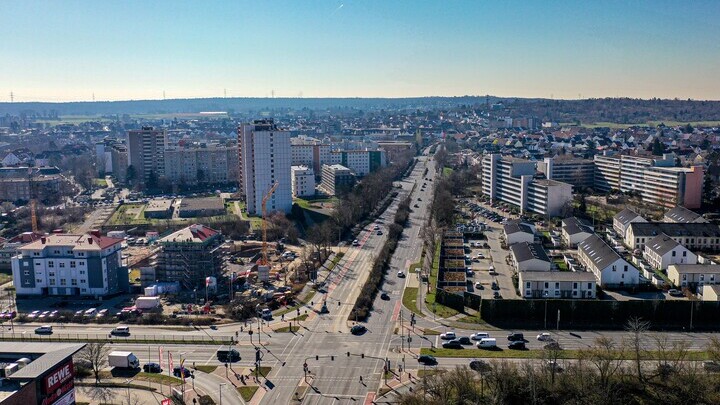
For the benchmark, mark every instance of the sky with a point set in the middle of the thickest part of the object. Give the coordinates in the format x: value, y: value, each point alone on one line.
x: 120, y: 50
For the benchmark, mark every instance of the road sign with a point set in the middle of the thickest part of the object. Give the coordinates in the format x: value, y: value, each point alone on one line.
x: 166, y: 401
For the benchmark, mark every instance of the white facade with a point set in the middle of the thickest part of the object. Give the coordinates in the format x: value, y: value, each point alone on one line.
x: 557, y: 284
x: 303, y: 181
x: 265, y: 159
x: 609, y: 268
x: 693, y: 275
x: 669, y: 253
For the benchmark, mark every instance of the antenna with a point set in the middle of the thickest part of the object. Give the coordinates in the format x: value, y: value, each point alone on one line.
x: 225, y: 93
x: 12, y: 97
x: 93, y: 97
x: 272, y: 94
x: 163, y: 94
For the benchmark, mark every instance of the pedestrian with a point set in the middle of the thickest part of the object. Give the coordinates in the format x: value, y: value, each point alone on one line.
x: 361, y: 381
x: 282, y: 317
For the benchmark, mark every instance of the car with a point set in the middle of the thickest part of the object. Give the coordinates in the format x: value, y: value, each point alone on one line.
x: 516, y: 345
x: 448, y: 336
x: 102, y: 313
x: 544, y: 337
x: 416, y: 206
x: 479, y: 335
x: 54, y: 313
x: 44, y: 314
x: 120, y: 331
x: 379, y: 233
x: 552, y: 346
x: 464, y: 340
x: 419, y: 199
x: 358, y: 329
x: 711, y: 366
x: 480, y: 256
x: 401, y: 274
x: 79, y: 313
x: 496, y: 294
x: 152, y: 368
x: 376, y: 228
x: 675, y: 293
x: 181, y: 372
x: 427, y: 360
x: 453, y: 344
x: 515, y: 336
x: 479, y: 365
x: 469, y: 272
x: 33, y: 314
x: 476, y: 260
x: 479, y: 286
x: 355, y: 242
x: 44, y: 330
x: 384, y: 296
x: 495, y: 286
x: 213, y: 327
x: 228, y: 356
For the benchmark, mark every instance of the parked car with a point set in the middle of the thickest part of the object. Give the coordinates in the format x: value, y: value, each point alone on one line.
x: 464, y: 340
x: 358, y: 329
x: 453, y: 344
x: 356, y: 242
x: 33, y: 314
x: 711, y: 366
x: 401, y: 274
x: 496, y: 294
x: 487, y: 343
x: 181, y: 372
x: 479, y: 335
x: 479, y: 286
x: 448, y: 336
x: 427, y: 360
x: 675, y: 293
x: 384, y: 296
x: 516, y: 345
x: 152, y: 368
x: 479, y: 365
x: 515, y: 336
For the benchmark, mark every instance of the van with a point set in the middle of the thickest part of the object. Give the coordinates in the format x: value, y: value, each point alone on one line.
x: 487, y: 343
x: 266, y: 314
x: 44, y: 329
x: 91, y: 312
x: 120, y: 331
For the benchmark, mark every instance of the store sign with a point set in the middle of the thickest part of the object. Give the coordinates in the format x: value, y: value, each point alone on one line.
x: 58, y: 377
x: 67, y: 399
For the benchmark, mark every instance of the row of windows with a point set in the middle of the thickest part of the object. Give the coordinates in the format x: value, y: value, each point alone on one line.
x: 557, y: 285
x: 57, y: 252
x: 51, y: 264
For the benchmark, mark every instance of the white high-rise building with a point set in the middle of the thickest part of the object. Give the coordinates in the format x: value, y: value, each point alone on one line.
x: 303, y: 181
x: 264, y: 159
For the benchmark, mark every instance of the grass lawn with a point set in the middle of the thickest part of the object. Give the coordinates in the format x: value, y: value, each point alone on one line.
x: 206, y: 368
x: 601, y: 214
x: 134, y: 273
x: 286, y: 329
x: 562, y: 266
x: 438, y: 309
x: 313, y: 203
x: 100, y: 182
x: 301, y: 317
x: 409, y: 300
x: 264, y: 371
x: 255, y: 222
x: 247, y: 392
x: 471, y: 319
x: 447, y: 171
x: 430, y: 332
x: 336, y: 259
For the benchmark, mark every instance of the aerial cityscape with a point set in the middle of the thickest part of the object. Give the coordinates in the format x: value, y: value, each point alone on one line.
x: 359, y: 203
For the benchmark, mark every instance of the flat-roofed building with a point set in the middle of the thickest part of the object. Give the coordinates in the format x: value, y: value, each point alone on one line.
x: 576, y: 171
x: 557, y: 284
x: 201, y: 207
x: 146, y: 153
x: 336, y: 178
x: 303, y: 181
x: 158, y: 209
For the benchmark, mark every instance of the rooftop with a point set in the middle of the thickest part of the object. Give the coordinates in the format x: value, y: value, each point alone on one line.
x: 89, y: 241
x: 626, y: 215
x: 673, y: 229
x: 574, y: 226
x: 527, y: 251
x: 695, y: 268
x: 557, y: 276
x: 515, y: 227
x: 682, y: 214
x: 45, y: 356
x: 207, y: 203
x: 599, y: 252
x: 195, y: 233
x: 661, y: 244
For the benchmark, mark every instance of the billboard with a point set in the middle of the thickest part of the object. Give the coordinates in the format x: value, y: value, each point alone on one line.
x: 57, y: 385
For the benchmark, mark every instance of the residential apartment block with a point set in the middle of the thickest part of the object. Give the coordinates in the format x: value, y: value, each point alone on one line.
x: 655, y: 179
x: 557, y: 284
x: 335, y: 178
x: 303, y: 181
x: 204, y: 164
x: 25, y: 183
x: 70, y: 265
x: 264, y: 159
x: 190, y: 255
x: 693, y: 276
x: 146, y: 152
x: 610, y: 270
x: 695, y: 236
x: 511, y: 180
x: 571, y: 170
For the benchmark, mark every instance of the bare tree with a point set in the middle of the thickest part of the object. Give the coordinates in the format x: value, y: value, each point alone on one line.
x: 637, y: 328
x: 551, y: 354
x: 607, y: 358
x: 95, y: 354
x: 671, y: 354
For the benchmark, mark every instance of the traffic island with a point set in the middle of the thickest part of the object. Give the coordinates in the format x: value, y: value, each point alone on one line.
x: 247, y: 392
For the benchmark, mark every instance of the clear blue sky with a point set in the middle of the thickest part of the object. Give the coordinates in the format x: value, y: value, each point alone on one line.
x: 68, y: 50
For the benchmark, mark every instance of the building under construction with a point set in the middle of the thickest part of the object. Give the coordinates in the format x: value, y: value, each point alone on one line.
x: 190, y: 255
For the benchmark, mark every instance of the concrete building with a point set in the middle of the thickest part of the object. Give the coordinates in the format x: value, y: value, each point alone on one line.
x: 361, y: 162
x: 146, y: 153
x: 518, y: 232
x: 310, y: 152
x: 303, y: 181
x: 623, y: 219
x: 8, y: 248
x: 557, y: 284
x: 511, y: 180
x: 70, y: 265
x: 119, y: 160
x: 693, y: 276
x: 264, y: 159
x: 201, y: 207
x: 158, y: 209
x: 682, y: 215
x: 662, y: 251
x: 190, y: 255
x: 38, y: 373
x: 610, y: 270
x: 103, y: 158
x: 571, y: 170
x: 336, y: 178
x: 709, y: 292
x: 205, y: 164
x: 695, y: 236
x: 574, y: 231
x: 655, y: 179
x: 529, y: 257
x: 25, y: 183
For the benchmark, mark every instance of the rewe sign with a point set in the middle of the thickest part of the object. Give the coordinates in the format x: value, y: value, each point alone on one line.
x: 59, y: 376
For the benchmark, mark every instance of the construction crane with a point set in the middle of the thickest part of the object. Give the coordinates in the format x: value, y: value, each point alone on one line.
x: 264, y: 223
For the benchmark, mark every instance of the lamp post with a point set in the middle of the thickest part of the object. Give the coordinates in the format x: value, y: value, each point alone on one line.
x: 128, y: 381
x: 221, y: 387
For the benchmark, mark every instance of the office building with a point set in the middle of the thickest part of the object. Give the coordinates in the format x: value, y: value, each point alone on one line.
x: 70, y: 265
x: 512, y: 181
x: 571, y: 170
x: 146, y: 153
x: 264, y: 159
x: 190, y: 255
x: 335, y: 179
x: 656, y: 180
x: 303, y: 181
x: 204, y: 164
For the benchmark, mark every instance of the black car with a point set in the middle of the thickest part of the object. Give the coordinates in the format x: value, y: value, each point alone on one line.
x: 228, y: 356
x: 181, y: 371
x: 453, y: 344
x: 464, y: 340
x: 513, y: 336
x: 517, y: 345
x: 427, y: 360
x: 152, y: 368
x: 358, y: 329
x: 384, y: 296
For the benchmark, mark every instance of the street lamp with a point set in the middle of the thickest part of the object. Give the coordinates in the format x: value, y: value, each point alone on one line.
x: 128, y: 381
x: 221, y: 387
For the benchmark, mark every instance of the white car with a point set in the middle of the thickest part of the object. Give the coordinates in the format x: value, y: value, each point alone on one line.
x: 544, y: 337
x: 401, y: 274
x: 33, y: 314
x: 448, y: 336
x: 355, y: 243
x: 479, y: 336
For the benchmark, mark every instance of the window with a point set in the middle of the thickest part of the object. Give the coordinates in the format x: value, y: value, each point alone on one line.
x: 82, y: 272
x: 27, y: 272
x: 73, y: 282
x: 81, y: 254
x: 589, y: 286
x: 36, y: 253
x: 622, y: 276
x: 528, y: 284
x: 63, y: 281
x: 62, y: 265
x: 626, y: 268
x: 72, y: 264
x: 574, y: 285
x: 546, y: 285
x: 673, y: 253
x: 684, y: 253
x: 57, y: 252
x: 684, y: 277
x: 83, y: 281
x: 38, y: 280
x: 51, y: 263
x: 84, y: 290
x: 52, y: 281
x: 575, y: 293
x: 81, y: 263
x: 613, y: 268
x: 51, y: 274
x: 557, y: 285
x: 702, y: 277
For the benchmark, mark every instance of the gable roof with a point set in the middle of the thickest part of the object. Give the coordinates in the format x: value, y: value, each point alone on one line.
x: 195, y: 233
x: 661, y: 244
x: 527, y: 251
x: 574, y: 226
x: 682, y: 214
x: 626, y: 215
x: 599, y: 252
x: 672, y: 229
x: 515, y: 226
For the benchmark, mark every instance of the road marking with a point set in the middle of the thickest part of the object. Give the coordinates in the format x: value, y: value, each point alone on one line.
x: 396, y: 311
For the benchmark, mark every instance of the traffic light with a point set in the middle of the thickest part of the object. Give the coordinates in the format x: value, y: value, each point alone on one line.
x: 332, y: 358
x: 348, y: 353
x: 362, y: 355
x: 317, y: 357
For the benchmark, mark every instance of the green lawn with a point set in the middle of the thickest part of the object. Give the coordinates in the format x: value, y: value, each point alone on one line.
x: 247, y: 392
x: 447, y: 171
x: 313, y: 203
x: 286, y: 329
x: 409, y: 300
x: 430, y: 332
x: 562, y: 266
x: 300, y: 302
x: 133, y: 214
x: 206, y: 368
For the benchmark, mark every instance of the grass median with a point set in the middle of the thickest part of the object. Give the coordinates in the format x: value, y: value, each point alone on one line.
x: 247, y: 392
x: 409, y: 300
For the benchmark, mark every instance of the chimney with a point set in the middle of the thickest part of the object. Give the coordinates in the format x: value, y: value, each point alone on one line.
x: 90, y: 241
x: 43, y: 240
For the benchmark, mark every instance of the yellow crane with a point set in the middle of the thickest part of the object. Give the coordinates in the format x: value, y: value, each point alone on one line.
x: 264, y: 223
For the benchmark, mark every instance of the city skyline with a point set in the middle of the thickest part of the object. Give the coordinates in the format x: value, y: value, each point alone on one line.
x: 72, y: 51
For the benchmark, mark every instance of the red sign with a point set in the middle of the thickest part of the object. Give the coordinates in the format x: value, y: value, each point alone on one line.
x: 166, y: 401
x: 59, y: 376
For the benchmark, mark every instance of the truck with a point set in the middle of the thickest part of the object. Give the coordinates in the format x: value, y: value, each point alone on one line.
x: 123, y: 360
x: 147, y: 302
